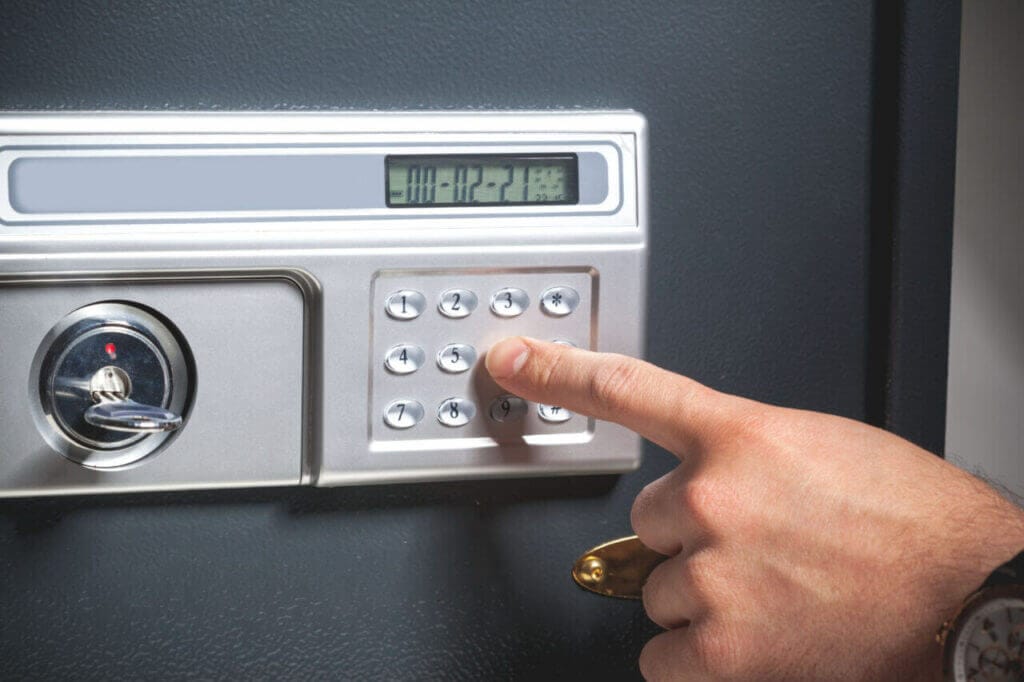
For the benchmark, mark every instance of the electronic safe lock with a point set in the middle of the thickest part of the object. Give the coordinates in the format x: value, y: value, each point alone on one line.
x: 234, y: 300
x: 114, y: 383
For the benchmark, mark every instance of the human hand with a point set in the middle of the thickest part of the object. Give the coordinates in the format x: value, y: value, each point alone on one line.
x: 803, y: 546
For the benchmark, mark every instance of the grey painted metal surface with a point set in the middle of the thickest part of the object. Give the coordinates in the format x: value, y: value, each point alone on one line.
x: 760, y: 134
x: 985, y: 417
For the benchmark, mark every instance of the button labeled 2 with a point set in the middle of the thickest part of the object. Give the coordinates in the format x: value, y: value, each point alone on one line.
x: 457, y: 303
x: 456, y: 357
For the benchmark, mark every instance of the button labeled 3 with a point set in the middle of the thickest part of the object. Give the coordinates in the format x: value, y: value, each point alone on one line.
x: 456, y: 412
x: 456, y: 357
x: 405, y: 304
x: 403, y: 414
x: 457, y: 303
x: 509, y: 302
x: 404, y: 359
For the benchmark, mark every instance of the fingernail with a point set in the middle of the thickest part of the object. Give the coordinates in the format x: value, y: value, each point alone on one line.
x: 507, y: 357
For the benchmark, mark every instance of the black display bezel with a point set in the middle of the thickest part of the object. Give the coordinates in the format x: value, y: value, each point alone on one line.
x: 572, y: 178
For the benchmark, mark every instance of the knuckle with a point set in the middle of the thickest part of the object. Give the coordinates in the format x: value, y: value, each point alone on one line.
x: 640, y: 514
x: 613, y: 382
x: 654, y: 662
x: 719, y: 652
x: 701, y: 499
x: 698, y: 580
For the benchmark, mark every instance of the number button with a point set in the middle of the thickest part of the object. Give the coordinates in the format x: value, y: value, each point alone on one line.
x: 553, y: 413
x: 456, y: 303
x: 509, y: 302
x: 559, y: 301
x: 508, y: 408
x: 403, y: 414
x: 456, y: 412
x: 405, y: 304
x: 404, y: 359
x: 456, y: 357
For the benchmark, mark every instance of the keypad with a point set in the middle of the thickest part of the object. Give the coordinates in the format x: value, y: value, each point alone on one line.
x: 430, y: 358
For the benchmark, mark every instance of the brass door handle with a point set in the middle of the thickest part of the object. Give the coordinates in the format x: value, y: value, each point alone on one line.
x: 617, y: 568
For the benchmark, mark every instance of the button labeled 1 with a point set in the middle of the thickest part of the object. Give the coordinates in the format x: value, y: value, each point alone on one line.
x: 406, y: 304
x: 456, y: 412
x: 456, y: 357
x: 403, y: 414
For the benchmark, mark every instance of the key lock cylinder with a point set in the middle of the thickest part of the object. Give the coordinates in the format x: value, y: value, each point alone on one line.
x: 114, y: 383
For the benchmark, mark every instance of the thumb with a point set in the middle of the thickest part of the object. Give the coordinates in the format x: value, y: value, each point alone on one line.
x: 671, y: 410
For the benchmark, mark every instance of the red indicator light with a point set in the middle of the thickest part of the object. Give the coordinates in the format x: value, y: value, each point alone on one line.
x: 111, y: 350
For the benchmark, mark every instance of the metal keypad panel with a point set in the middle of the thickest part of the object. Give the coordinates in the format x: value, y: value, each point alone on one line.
x: 459, y: 398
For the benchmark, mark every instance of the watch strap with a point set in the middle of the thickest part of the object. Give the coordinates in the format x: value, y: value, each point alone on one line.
x: 1010, y: 573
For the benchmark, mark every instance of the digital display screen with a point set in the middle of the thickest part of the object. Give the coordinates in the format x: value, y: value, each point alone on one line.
x: 482, y: 180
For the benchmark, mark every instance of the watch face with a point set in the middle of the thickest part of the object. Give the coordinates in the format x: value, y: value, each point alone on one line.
x: 990, y: 644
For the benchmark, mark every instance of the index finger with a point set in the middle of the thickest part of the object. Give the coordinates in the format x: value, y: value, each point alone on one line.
x: 669, y: 409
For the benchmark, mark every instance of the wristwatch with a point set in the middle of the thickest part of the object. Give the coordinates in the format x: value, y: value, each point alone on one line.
x: 984, y: 641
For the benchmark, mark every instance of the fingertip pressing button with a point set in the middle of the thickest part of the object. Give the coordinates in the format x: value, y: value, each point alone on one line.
x: 405, y: 304
x: 456, y: 357
x: 509, y: 302
x: 403, y: 414
x: 559, y: 301
x: 553, y: 413
x: 456, y: 411
x: 457, y: 303
x: 404, y: 359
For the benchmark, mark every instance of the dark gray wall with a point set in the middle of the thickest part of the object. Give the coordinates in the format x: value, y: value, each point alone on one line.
x: 761, y: 120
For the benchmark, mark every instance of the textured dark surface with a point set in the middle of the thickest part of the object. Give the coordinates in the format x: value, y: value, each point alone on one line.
x: 760, y: 118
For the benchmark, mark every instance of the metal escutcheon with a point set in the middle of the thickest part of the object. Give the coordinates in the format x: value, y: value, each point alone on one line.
x: 617, y: 568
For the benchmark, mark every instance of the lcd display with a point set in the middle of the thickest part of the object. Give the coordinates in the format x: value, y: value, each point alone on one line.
x: 482, y: 180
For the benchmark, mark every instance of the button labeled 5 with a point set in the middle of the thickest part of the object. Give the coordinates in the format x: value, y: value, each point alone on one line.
x: 456, y: 357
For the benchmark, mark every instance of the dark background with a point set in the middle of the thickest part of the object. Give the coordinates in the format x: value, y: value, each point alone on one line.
x: 801, y: 206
